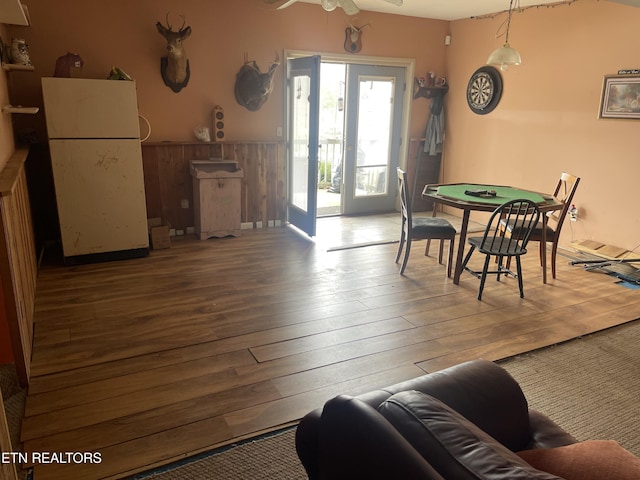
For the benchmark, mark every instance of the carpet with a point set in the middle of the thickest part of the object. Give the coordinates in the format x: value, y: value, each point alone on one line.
x: 271, y: 457
x: 590, y: 386
x: 14, y: 398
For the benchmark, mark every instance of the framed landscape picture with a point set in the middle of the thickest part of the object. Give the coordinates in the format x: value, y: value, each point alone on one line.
x: 620, y: 97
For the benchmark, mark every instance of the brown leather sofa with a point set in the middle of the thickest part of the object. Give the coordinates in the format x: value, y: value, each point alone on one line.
x: 460, y: 423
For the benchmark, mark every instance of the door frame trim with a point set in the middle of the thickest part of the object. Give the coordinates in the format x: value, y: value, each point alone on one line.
x: 408, y: 63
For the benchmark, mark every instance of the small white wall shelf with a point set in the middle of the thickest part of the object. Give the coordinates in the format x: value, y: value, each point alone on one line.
x: 19, y: 109
x: 14, y: 67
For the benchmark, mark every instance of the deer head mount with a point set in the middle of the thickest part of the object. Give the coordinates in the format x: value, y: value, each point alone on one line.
x: 353, y: 38
x: 252, y: 86
x: 175, y: 66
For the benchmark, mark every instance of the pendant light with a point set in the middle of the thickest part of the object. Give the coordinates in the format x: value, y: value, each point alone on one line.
x: 505, y: 55
x: 329, y: 5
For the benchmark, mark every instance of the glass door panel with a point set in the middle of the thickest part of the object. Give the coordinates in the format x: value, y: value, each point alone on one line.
x: 303, y: 99
x: 374, y: 116
x: 374, y: 135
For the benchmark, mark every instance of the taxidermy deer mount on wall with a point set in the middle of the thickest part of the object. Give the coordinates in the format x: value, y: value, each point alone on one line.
x: 175, y: 66
x: 353, y: 38
x: 252, y: 86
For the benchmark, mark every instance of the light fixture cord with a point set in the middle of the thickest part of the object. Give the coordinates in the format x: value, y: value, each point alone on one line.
x: 507, y: 22
x: 506, y: 38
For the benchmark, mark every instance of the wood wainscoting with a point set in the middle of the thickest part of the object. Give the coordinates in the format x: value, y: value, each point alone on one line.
x: 168, y: 180
x: 18, y: 262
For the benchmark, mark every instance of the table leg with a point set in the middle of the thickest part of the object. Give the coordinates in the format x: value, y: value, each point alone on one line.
x: 433, y: 214
x: 461, y: 244
x: 543, y: 249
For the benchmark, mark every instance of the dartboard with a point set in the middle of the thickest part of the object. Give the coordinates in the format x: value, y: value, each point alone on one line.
x: 484, y: 90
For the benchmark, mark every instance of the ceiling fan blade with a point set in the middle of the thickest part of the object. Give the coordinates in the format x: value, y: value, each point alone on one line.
x: 286, y: 4
x: 395, y: 2
x: 349, y: 7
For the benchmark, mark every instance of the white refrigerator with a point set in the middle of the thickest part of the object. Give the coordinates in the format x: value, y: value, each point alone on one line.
x: 96, y: 157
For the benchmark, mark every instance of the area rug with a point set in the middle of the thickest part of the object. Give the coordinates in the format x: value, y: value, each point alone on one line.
x: 590, y: 386
x: 271, y: 457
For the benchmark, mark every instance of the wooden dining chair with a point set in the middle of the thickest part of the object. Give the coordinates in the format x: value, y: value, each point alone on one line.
x: 565, y: 189
x: 422, y: 228
x: 496, y: 243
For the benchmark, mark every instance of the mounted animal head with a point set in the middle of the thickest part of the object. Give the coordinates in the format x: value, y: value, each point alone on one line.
x: 252, y: 86
x: 175, y: 66
x: 353, y: 38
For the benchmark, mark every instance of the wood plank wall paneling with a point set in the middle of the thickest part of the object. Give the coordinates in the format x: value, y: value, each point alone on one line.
x: 168, y: 180
x: 18, y: 262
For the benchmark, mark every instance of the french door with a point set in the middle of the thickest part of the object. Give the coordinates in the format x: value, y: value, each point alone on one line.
x: 374, y: 102
x: 303, y: 100
x: 371, y: 140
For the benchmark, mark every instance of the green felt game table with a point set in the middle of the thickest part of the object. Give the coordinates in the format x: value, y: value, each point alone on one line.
x: 453, y: 195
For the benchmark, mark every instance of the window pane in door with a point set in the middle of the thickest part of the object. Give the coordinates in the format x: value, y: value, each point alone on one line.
x: 300, y: 139
x: 375, y: 110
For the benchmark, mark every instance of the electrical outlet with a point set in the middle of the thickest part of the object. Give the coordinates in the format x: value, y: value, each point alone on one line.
x: 573, y: 213
x: 184, y: 203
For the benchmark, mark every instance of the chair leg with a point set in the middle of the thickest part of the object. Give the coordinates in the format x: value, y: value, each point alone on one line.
x: 450, y: 260
x: 440, y: 251
x: 468, y: 256
x: 484, y: 276
x: 406, y: 255
x: 500, y: 260
x: 554, y: 251
x: 541, y: 246
x: 519, y: 270
x: 400, y: 246
x: 426, y: 249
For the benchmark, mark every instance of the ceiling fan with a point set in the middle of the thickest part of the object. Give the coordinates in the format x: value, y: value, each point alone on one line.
x: 349, y: 6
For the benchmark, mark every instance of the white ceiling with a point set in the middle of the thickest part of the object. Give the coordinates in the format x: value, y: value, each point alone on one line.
x: 441, y: 9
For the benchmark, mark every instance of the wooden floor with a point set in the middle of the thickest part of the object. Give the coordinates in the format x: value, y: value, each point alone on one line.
x: 147, y: 361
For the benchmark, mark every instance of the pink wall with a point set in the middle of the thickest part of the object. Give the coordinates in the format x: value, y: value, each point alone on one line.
x: 123, y: 33
x: 547, y: 119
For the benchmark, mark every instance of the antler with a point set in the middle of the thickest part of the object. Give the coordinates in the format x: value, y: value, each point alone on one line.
x: 358, y: 29
x: 170, y: 28
x: 275, y: 64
